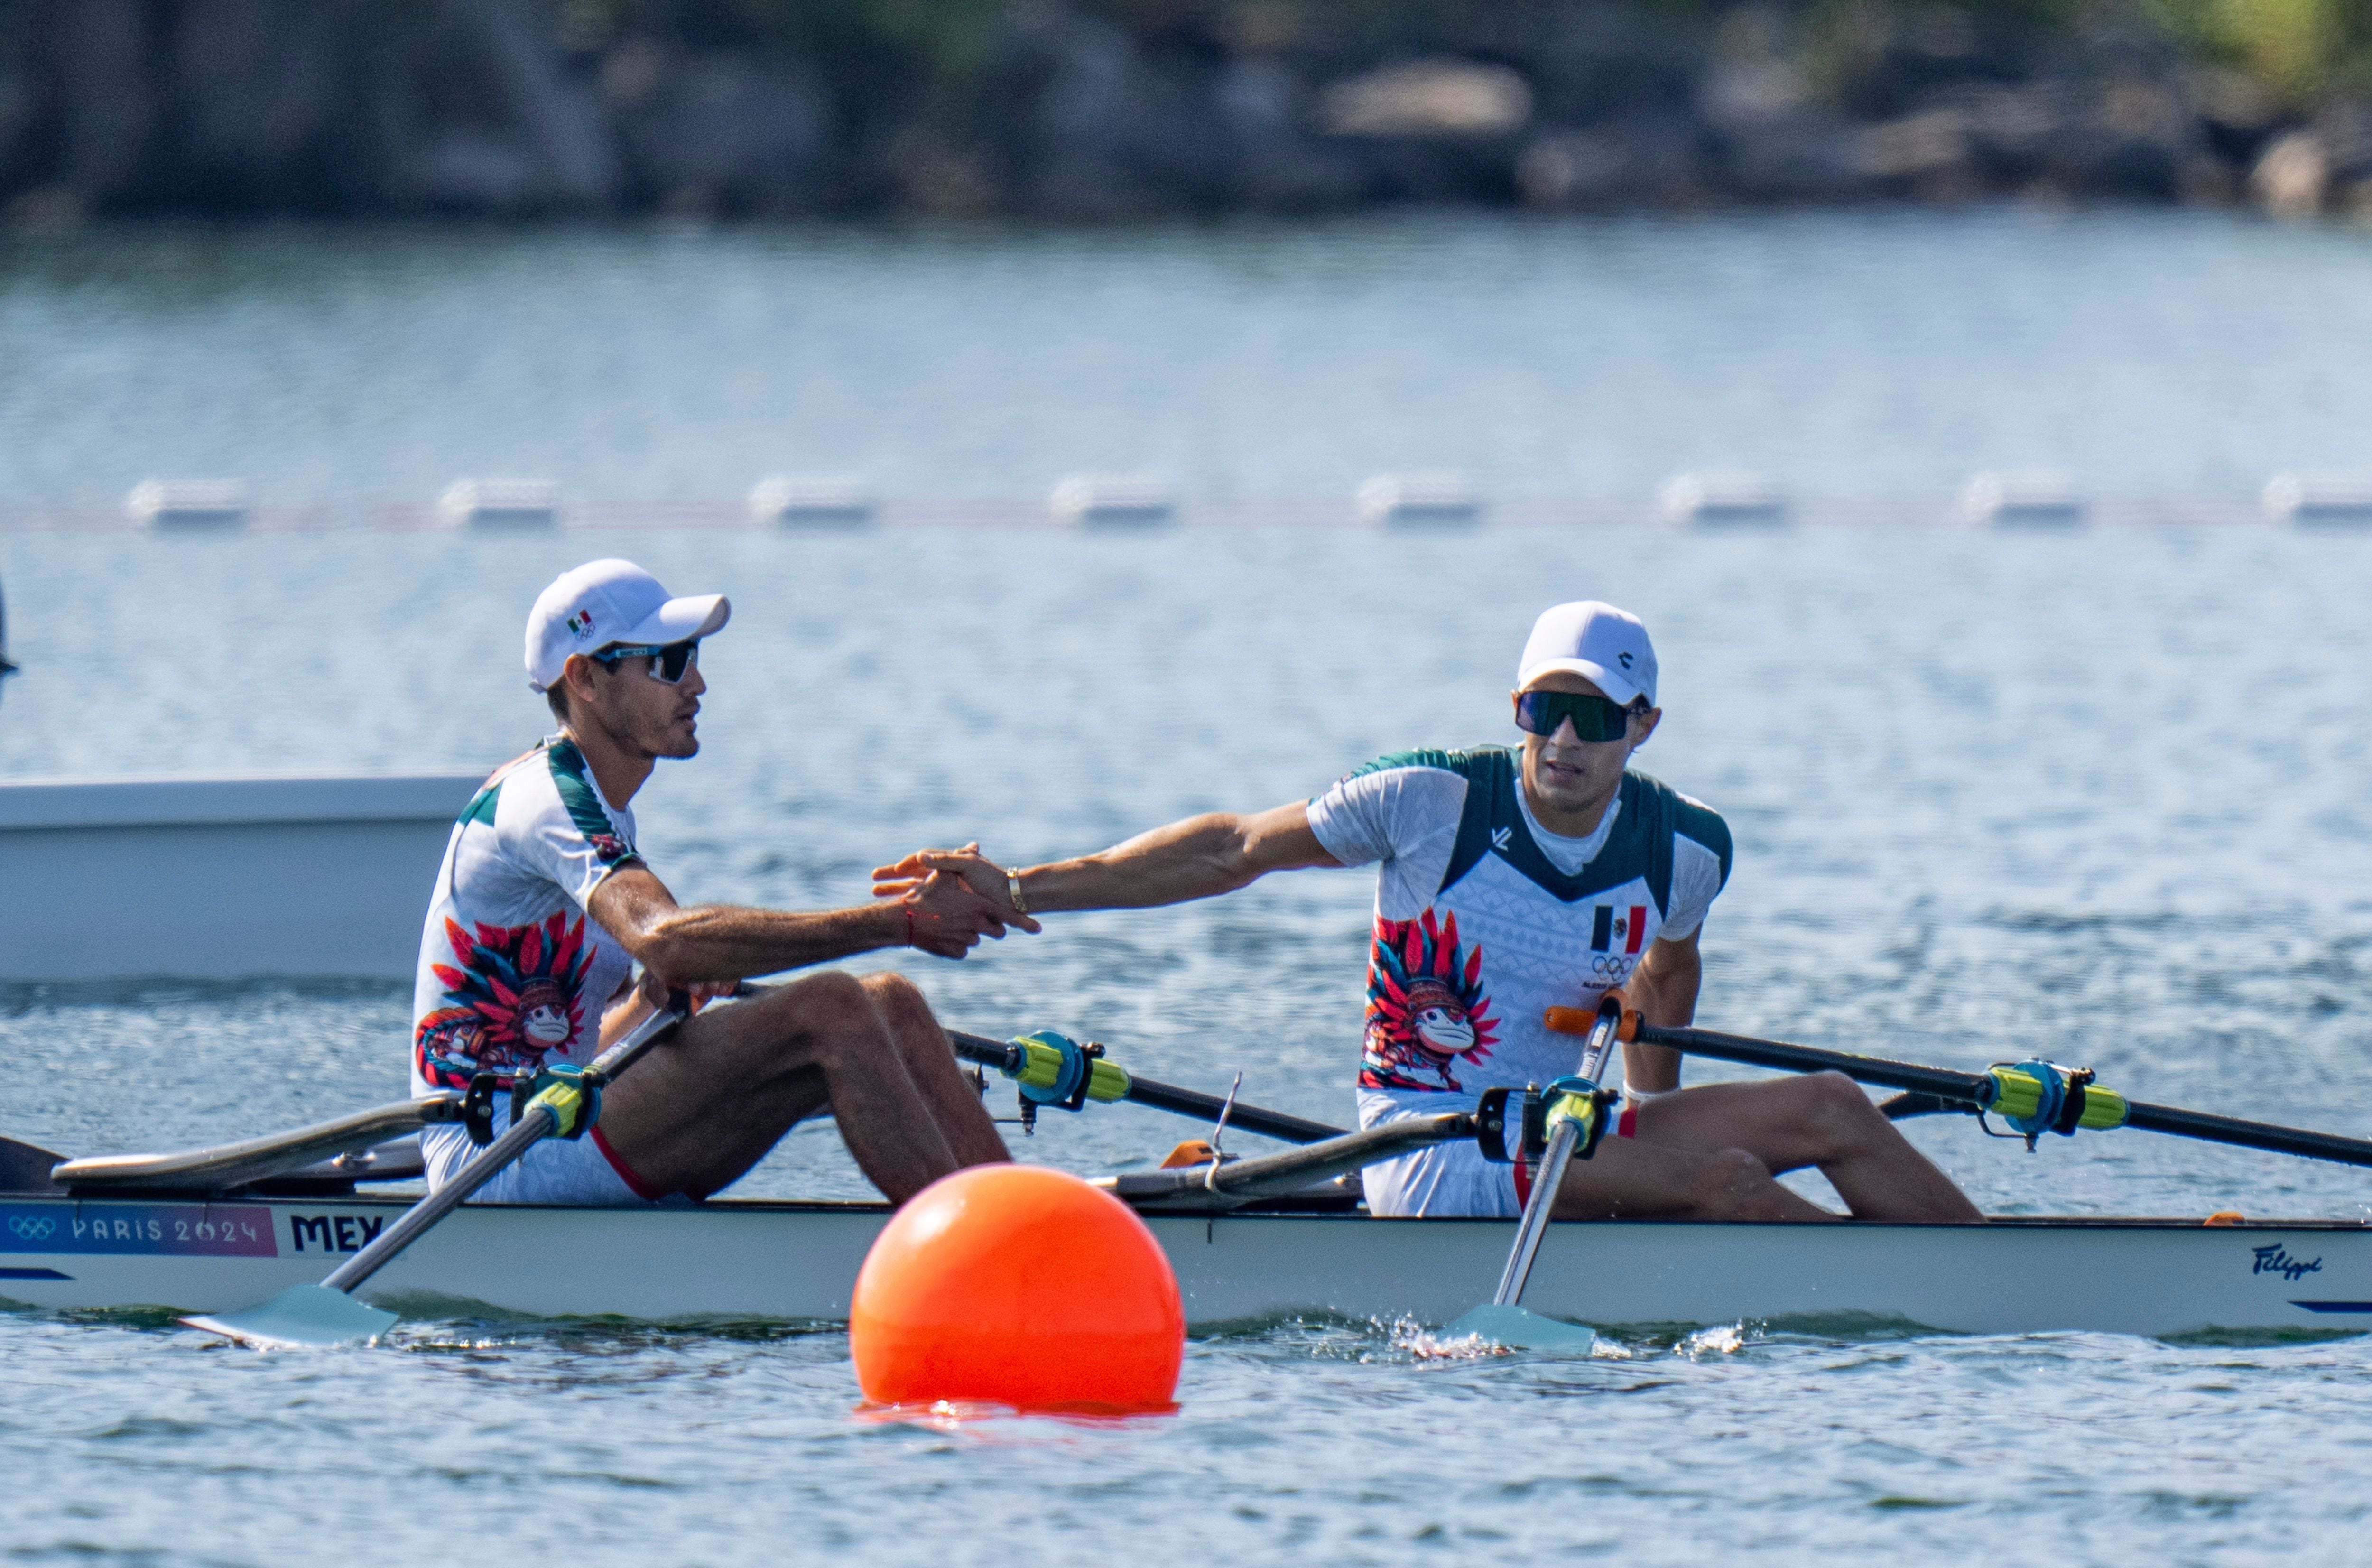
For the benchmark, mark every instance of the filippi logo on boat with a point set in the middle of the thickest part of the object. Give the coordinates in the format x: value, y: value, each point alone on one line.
x: 2276, y: 1259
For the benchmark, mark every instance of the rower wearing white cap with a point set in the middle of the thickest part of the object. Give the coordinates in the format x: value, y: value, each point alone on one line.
x: 543, y: 906
x: 1509, y: 883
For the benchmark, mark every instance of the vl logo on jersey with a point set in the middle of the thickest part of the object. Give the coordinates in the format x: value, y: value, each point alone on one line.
x: 1614, y: 924
x: 1500, y: 838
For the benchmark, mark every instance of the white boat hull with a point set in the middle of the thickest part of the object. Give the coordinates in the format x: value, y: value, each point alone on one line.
x: 755, y: 1260
x: 100, y: 878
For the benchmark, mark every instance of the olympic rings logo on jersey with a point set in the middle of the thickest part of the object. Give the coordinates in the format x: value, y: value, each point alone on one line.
x: 1608, y: 967
x: 27, y: 1229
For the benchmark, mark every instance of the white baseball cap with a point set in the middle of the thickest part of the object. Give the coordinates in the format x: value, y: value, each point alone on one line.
x: 1603, y: 644
x: 610, y: 603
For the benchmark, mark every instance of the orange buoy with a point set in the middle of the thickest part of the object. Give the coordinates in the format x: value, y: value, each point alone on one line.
x: 1018, y: 1286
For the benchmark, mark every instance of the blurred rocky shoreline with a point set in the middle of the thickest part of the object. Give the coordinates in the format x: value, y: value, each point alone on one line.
x: 519, y: 109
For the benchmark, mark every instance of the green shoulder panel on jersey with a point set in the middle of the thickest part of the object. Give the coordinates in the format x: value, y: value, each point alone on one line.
x: 481, y: 805
x: 1695, y: 819
x: 577, y: 793
x: 1678, y: 817
x: 1462, y: 763
x: 1640, y: 846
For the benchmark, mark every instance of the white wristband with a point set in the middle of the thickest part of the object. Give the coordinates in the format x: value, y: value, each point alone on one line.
x: 1643, y: 1096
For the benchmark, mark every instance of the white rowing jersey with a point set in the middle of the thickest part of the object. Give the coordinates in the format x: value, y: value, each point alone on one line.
x: 1484, y: 920
x: 514, y: 974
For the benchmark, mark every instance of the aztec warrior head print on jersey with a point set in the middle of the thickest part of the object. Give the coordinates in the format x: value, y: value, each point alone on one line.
x: 513, y: 974
x: 1484, y: 920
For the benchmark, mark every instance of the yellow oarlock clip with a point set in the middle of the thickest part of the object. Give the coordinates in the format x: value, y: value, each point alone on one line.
x: 1584, y: 1103
x: 2103, y: 1108
x: 2017, y: 1095
x: 2037, y: 1097
x: 574, y: 1107
x: 1056, y: 1070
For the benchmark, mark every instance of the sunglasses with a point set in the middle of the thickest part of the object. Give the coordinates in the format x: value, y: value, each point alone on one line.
x: 668, y: 661
x: 1594, y: 718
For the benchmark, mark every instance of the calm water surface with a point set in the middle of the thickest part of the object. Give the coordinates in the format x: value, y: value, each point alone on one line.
x: 1888, y: 355
x: 2094, y: 794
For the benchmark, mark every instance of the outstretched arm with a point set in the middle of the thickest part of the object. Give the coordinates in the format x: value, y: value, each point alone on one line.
x: 714, y: 943
x: 1196, y: 858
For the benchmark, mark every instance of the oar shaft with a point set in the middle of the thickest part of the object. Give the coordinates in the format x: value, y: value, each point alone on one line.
x: 2249, y: 1135
x: 1551, y: 1175
x: 1812, y: 1059
x: 499, y: 1156
x: 1205, y: 1108
x: 1535, y: 1222
x: 1963, y: 1087
x: 1006, y: 1057
x: 534, y: 1123
x: 640, y: 1041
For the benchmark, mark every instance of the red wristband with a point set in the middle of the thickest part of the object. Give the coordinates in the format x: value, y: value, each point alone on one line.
x: 910, y: 923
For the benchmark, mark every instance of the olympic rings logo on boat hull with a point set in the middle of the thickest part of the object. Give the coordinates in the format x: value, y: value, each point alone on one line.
x: 25, y: 1228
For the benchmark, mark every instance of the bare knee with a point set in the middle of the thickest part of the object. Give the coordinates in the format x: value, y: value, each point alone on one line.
x: 1738, y: 1170
x: 897, y: 1000
x: 1836, y: 1110
x: 1732, y: 1184
x: 829, y: 1009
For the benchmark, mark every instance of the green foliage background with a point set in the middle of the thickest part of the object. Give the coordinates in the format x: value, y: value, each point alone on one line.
x: 2299, y: 51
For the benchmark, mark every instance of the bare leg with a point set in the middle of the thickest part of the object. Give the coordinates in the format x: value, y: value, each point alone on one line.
x: 955, y: 1104
x: 1818, y: 1119
x: 1627, y: 1179
x: 698, y: 1112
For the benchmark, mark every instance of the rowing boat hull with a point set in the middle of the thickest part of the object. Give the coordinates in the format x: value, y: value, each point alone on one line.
x: 756, y: 1259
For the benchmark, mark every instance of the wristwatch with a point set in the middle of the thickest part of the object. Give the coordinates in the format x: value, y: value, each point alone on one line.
x: 1013, y: 891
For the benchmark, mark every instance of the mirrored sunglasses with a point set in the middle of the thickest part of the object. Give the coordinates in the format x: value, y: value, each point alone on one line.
x: 668, y: 661
x: 1594, y: 718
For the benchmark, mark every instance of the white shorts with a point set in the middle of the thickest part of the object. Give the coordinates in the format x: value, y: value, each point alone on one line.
x: 1442, y: 1180
x: 1448, y: 1180
x: 579, y: 1171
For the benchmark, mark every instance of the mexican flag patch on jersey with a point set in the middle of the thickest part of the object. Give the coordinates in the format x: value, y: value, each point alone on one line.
x: 1614, y: 924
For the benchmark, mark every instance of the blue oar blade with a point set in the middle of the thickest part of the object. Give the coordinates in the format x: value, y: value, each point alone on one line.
x: 302, y: 1318
x: 1518, y: 1330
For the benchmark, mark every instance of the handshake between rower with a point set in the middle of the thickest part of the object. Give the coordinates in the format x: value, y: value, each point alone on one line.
x: 1509, y: 882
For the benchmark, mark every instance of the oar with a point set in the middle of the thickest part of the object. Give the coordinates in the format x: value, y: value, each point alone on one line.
x: 2093, y: 1108
x: 1206, y: 1189
x: 327, y: 1314
x: 25, y: 1167
x: 1505, y: 1319
x: 1067, y: 1074
x: 221, y: 1167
